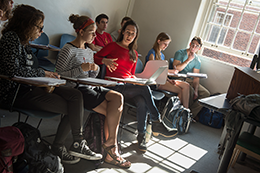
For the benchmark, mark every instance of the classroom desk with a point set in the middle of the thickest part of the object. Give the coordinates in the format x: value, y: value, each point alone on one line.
x: 221, y: 104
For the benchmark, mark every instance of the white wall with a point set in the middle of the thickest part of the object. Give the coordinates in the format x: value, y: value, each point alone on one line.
x: 57, y: 13
x: 176, y: 17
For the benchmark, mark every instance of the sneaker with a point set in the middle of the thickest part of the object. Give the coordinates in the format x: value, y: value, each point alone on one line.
x: 141, y: 142
x: 80, y: 149
x: 65, y: 157
x: 158, y: 128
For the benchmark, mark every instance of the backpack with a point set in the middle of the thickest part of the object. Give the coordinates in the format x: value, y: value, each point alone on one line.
x: 11, y: 145
x: 210, y: 118
x: 94, y: 132
x: 37, y: 156
x: 175, y: 116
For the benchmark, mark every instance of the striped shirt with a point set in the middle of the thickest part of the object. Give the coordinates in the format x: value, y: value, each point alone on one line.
x: 70, y: 60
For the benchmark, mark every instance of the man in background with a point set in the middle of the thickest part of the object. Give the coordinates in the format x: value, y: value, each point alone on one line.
x: 186, y: 60
x: 102, y: 37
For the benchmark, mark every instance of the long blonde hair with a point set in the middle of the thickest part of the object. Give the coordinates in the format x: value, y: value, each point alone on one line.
x: 162, y: 37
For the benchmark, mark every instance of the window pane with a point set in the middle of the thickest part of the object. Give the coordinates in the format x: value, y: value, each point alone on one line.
x: 237, y: 3
x: 248, y: 22
x: 236, y: 17
x: 222, y: 35
x: 213, y: 34
x: 253, y: 6
x: 258, y: 28
x: 241, y: 41
x: 253, y: 46
x: 229, y: 37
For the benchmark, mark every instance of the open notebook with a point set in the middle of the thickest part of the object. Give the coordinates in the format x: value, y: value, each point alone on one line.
x: 143, y: 81
x: 91, y: 81
x: 39, y: 80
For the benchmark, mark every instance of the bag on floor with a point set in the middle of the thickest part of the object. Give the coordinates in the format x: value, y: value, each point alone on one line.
x: 37, y: 156
x: 175, y: 117
x: 94, y: 132
x: 210, y: 118
x: 11, y: 145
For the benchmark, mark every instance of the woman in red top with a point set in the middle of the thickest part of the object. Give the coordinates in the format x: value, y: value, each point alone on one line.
x: 121, y: 59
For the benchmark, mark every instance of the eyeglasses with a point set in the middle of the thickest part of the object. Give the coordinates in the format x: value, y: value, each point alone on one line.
x: 40, y: 28
x: 194, y: 45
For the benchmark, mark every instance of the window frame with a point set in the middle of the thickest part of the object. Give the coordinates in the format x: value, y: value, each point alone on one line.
x: 210, y: 13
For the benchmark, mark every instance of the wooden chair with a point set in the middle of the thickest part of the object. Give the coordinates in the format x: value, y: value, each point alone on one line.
x: 248, y: 144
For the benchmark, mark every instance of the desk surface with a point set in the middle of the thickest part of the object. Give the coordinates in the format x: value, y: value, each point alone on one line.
x: 91, y: 81
x: 219, y: 103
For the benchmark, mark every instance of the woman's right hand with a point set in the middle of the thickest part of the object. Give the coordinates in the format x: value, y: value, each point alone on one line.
x: 89, y: 66
x: 110, y: 63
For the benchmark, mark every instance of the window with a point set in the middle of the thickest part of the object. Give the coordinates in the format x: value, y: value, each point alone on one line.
x: 232, y: 31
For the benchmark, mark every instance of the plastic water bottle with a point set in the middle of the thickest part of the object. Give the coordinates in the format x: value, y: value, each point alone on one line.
x: 148, y: 132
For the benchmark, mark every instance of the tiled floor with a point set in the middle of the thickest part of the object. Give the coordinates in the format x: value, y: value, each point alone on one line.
x: 196, y: 150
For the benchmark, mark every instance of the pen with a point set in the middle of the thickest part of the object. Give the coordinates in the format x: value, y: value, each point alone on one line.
x: 84, y: 59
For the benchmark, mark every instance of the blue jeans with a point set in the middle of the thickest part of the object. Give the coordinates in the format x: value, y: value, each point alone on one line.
x: 141, y: 96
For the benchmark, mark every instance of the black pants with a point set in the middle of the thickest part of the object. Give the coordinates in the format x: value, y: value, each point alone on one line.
x: 63, y: 100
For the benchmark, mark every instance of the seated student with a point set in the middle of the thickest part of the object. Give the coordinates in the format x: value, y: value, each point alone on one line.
x: 16, y: 60
x: 181, y: 88
x: 115, y: 33
x: 102, y: 38
x: 186, y: 61
x: 77, y: 61
x: 5, y: 11
x: 121, y: 59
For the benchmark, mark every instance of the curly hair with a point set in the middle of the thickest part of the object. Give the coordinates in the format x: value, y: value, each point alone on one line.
x: 4, y: 6
x: 23, y: 22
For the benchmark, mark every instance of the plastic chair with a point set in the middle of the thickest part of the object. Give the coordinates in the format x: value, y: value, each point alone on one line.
x: 44, y: 40
x: 41, y: 54
x: 65, y: 38
x: 248, y: 144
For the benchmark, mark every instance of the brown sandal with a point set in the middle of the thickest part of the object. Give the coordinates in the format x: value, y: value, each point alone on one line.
x: 115, y: 158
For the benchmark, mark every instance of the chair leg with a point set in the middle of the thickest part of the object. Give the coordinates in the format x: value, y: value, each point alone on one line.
x: 232, y: 158
x: 235, y: 159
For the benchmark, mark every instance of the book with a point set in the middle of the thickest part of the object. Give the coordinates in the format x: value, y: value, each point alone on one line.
x: 45, y: 47
x: 200, y: 75
x: 39, y: 81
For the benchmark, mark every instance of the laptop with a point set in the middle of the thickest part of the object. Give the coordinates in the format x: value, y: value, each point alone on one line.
x: 143, y: 81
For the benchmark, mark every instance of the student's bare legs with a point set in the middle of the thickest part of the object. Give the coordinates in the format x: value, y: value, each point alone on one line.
x: 185, y: 90
x: 112, y: 108
x: 181, y: 88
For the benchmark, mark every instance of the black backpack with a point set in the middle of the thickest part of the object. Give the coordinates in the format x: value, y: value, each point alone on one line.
x: 94, y: 132
x: 175, y: 116
x: 37, y: 156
